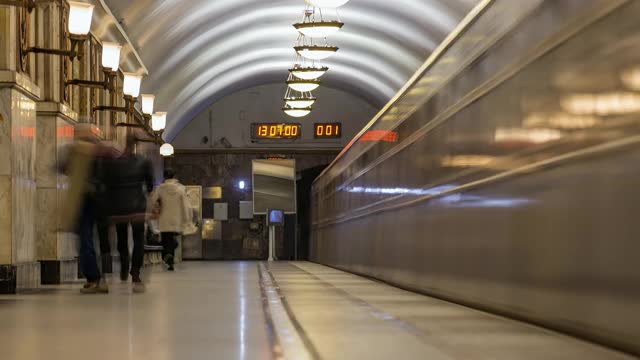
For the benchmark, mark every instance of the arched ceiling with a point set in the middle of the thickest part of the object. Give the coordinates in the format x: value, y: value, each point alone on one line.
x: 199, y: 51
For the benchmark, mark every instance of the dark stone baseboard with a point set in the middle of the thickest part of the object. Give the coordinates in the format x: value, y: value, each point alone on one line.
x: 50, y: 272
x: 8, y: 279
x: 55, y: 272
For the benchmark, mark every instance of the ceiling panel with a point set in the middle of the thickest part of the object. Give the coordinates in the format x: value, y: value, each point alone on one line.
x: 199, y: 51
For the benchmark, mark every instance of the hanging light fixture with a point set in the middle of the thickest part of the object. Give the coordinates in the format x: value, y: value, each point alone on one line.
x: 316, y: 52
x: 297, y: 112
x: 158, y: 121
x: 327, y: 3
x: 299, y: 102
x: 303, y: 85
x: 166, y: 149
x: 308, y: 72
x: 319, y: 29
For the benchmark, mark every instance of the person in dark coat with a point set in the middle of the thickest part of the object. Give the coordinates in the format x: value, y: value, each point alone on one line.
x: 129, y: 180
x: 82, y: 162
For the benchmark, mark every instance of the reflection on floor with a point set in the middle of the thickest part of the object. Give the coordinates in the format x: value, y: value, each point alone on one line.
x: 248, y: 310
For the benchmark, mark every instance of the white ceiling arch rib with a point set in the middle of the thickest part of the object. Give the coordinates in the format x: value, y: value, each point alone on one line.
x: 199, y: 51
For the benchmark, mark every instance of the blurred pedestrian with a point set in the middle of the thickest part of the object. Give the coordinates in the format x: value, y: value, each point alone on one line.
x: 129, y: 180
x: 169, y: 205
x: 81, y: 163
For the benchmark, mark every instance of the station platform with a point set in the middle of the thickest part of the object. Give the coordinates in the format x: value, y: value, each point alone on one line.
x: 256, y: 310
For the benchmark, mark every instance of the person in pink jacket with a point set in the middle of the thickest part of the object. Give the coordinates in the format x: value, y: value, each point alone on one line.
x: 169, y: 201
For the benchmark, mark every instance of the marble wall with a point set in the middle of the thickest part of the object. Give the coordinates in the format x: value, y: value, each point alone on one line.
x: 67, y: 244
x: 54, y: 132
x: 224, y: 169
x: 23, y: 131
x: 18, y: 180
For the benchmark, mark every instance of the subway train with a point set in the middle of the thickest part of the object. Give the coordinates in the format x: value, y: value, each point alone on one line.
x: 505, y: 175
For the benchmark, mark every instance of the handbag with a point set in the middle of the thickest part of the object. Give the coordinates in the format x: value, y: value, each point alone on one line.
x: 189, y: 228
x: 156, y: 210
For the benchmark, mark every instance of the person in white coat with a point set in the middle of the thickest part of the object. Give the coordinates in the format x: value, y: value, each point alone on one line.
x: 173, y: 214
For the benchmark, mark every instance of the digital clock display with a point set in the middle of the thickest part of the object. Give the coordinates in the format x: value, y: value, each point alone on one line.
x: 327, y: 130
x: 275, y: 131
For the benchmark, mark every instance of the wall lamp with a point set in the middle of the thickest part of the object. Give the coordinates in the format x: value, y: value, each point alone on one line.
x: 110, y: 65
x: 147, y: 101
x: 80, y: 15
x: 159, y: 121
x: 131, y: 90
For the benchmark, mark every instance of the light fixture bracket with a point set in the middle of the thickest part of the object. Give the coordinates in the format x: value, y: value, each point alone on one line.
x: 30, y: 5
x: 128, y: 108
x: 108, y: 83
x: 72, y: 53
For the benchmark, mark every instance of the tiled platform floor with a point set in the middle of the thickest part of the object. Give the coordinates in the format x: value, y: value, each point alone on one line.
x: 219, y: 310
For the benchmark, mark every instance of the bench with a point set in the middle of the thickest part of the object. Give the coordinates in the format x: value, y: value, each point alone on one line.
x: 152, y: 254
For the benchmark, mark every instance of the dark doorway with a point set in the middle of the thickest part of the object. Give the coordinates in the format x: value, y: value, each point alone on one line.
x: 303, y: 185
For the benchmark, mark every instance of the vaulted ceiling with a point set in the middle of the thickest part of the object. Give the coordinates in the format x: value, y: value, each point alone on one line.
x: 199, y: 51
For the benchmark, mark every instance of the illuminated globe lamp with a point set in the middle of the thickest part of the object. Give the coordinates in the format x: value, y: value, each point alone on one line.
x: 318, y: 29
x: 308, y: 72
x: 166, y: 150
x: 316, y: 52
x: 327, y: 3
x: 297, y: 113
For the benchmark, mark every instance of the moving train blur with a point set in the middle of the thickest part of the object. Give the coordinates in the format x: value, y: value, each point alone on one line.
x: 511, y: 180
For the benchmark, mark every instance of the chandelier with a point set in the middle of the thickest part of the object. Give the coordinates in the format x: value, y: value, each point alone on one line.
x: 297, y: 112
x: 301, y: 100
x: 304, y: 74
x: 303, y: 85
x: 316, y: 52
x: 308, y: 72
x: 313, y: 28
x: 327, y: 3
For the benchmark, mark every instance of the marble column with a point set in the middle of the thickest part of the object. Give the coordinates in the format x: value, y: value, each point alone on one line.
x: 56, y: 251
x: 19, y: 268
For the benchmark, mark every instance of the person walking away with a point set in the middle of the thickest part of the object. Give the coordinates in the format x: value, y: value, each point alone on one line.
x: 81, y: 204
x: 129, y: 181
x: 173, y: 214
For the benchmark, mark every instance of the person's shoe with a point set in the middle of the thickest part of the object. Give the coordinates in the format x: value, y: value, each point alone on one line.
x: 124, y: 276
x: 89, y: 288
x: 102, y: 287
x: 99, y: 287
x: 170, y: 268
x: 139, y: 287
